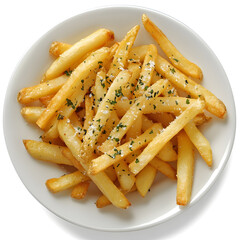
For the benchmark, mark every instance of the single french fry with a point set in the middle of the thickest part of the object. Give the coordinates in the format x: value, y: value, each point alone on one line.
x: 66, y: 181
x: 57, y: 48
x: 147, y: 71
x: 164, y: 167
x: 103, y: 182
x: 180, y: 80
x: 185, y: 168
x: 75, y: 80
x: 92, y: 42
x: 31, y: 94
x: 118, y: 153
x: 120, y: 58
x: 200, y: 142
x: 104, y: 111
x: 46, y: 152
x: 31, y: 114
x: 131, y: 115
x: 161, y: 139
x: 80, y: 190
x: 159, y: 104
x: 144, y: 179
x: 176, y: 58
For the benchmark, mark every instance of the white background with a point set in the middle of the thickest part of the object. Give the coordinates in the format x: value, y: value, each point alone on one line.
x: 215, y: 216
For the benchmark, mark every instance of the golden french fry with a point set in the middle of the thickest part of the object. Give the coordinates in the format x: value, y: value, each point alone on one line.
x: 46, y: 152
x: 75, y: 80
x: 31, y: 94
x: 164, y: 167
x: 180, y: 80
x: 185, y: 167
x: 121, y: 55
x: 118, y: 153
x: 161, y: 139
x: 80, y: 190
x: 103, y: 182
x: 57, y: 48
x: 176, y: 58
x: 31, y: 114
x: 94, y: 41
x: 144, y: 179
x: 158, y: 104
x: 200, y: 142
x: 66, y: 181
x: 147, y: 71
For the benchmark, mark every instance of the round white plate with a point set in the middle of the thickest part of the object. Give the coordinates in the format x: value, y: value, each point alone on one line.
x: 159, y: 204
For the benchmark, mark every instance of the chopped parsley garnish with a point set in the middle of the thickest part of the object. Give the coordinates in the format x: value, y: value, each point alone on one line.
x: 60, y: 117
x: 112, y: 102
x: 70, y: 103
x: 136, y: 161
x: 151, y: 132
x: 118, y: 92
x: 175, y: 59
x: 120, y: 125
x: 187, y: 101
x: 172, y: 70
x: 68, y: 73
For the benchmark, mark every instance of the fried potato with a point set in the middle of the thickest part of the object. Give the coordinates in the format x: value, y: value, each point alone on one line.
x: 175, y: 57
x: 92, y: 42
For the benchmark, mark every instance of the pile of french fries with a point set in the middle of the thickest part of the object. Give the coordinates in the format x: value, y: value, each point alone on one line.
x: 118, y: 114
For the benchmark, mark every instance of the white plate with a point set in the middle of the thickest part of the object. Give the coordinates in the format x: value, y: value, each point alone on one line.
x: 159, y: 205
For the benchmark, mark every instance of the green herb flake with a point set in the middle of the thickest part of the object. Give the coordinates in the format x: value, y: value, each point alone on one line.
x: 60, y: 117
x: 70, y: 103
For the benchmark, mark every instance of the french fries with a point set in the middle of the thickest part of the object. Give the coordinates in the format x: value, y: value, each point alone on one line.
x: 185, y: 167
x: 119, y: 115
